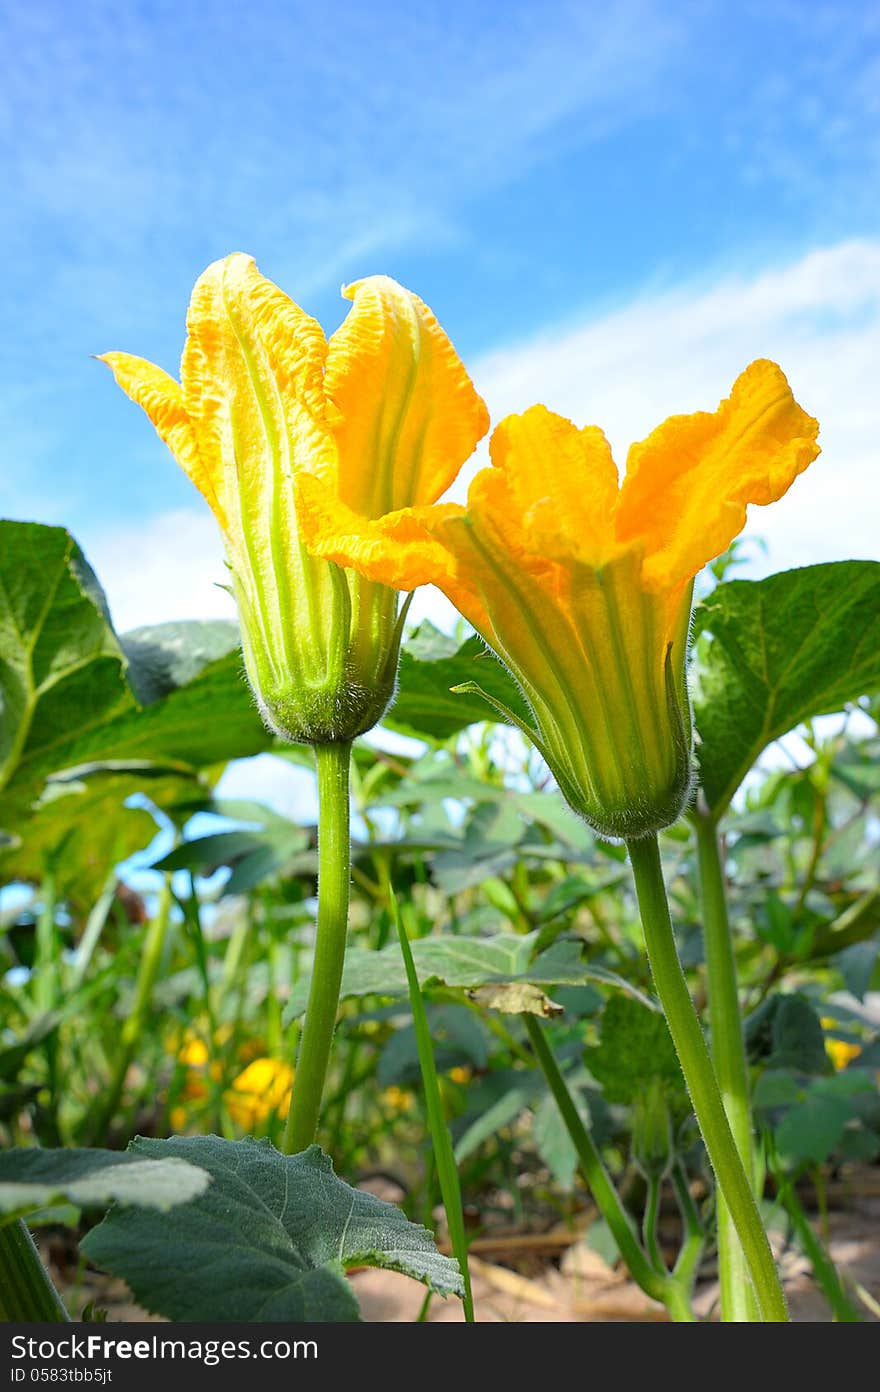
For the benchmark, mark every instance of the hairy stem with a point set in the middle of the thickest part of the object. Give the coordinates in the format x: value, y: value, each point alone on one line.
x: 334, y: 887
x: 696, y: 1065
x: 26, y: 1293
x: 738, y: 1303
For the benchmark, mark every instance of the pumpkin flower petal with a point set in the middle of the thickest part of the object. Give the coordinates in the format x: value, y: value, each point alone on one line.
x: 687, y: 486
x: 404, y: 549
x: 407, y: 412
x: 251, y: 376
x: 162, y: 400
x: 559, y: 486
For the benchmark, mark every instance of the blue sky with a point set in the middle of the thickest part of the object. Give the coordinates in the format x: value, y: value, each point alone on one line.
x: 611, y: 207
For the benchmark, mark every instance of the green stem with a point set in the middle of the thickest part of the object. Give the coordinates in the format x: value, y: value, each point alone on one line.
x: 441, y: 1141
x: 698, y: 1073
x: 649, y: 1224
x: 133, y: 1028
x: 678, y: 1302
x: 738, y: 1303
x: 663, y: 1288
x: 26, y: 1293
x: 334, y: 886
x: 694, y: 1234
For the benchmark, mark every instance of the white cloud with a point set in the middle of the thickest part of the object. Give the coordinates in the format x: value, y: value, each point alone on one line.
x: 167, y: 567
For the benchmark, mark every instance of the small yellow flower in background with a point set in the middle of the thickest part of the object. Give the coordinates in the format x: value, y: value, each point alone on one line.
x: 261, y: 1090
x: 840, y: 1051
x: 383, y: 415
x: 460, y: 1075
x: 582, y: 586
x: 398, y: 1099
x: 177, y: 1118
x: 194, y: 1053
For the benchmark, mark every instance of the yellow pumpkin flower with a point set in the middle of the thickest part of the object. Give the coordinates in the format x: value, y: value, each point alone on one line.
x: 262, y: 1089
x: 384, y: 414
x: 398, y: 1099
x: 194, y: 1052
x: 840, y: 1051
x: 583, y: 587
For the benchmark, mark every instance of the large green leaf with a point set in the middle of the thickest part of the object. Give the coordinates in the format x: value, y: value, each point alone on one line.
x: 80, y: 830
x: 431, y: 665
x: 162, y: 657
x: 772, y: 653
x: 34, y: 1178
x: 270, y: 1239
x: 62, y: 671
x: 67, y: 706
x: 464, y: 963
x: 209, y: 721
x: 68, y: 713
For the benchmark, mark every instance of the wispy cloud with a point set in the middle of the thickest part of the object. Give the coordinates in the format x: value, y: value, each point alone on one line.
x: 329, y: 132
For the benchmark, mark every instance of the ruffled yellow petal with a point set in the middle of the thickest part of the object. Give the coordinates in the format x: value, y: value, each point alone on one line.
x: 687, y: 486
x: 252, y: 383
x: 162, y: 400
x: 408, y: 414
x: 402, y: 550
x: 554, y: 487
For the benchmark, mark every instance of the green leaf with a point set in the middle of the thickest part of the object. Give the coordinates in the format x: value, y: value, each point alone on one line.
x: 68, y: 713
x: 552, y: 1139
x: 207, y: 722
x: 253, y: 856
x: 459, y: 1039
x: 812, y: 1129
x: 163, y: 657
x: 785, y: 1032
x: 431, y: 665
x: 635, y: 1044
x: 61, y: 666
x: 776, y: 1087
x: 35, y: 1178
x: 464, y: 963
x: 270, y: 1239
x: 82, y: 829
x: 772, y: 653
x: 857, y: 965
